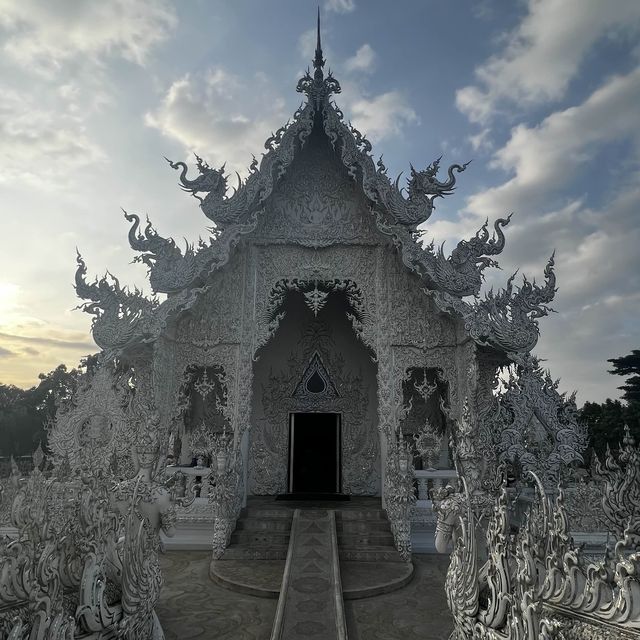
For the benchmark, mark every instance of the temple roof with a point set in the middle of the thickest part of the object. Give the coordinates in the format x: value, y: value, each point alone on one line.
x: 397, y: 212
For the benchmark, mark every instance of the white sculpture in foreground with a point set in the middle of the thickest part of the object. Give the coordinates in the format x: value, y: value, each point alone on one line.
x: 536, y: 583
x: 83, y: 558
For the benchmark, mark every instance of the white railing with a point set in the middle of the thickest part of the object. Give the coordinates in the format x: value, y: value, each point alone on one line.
x: 428, y: 479
x: 193, y: 475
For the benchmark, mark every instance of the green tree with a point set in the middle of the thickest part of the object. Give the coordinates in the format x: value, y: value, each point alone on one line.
x: 25, y: 413
x: 628, y: 365
x: 15, y: 419
x: 605, y: 423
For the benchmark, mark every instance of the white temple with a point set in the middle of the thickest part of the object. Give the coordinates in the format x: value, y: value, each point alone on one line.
x: 313, y: 347
x: 314, y: 332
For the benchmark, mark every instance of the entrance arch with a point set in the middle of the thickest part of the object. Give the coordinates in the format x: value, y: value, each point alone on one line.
x: 314, y: 363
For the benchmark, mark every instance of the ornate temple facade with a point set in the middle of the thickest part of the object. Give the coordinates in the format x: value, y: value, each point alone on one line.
x: 314, y: 343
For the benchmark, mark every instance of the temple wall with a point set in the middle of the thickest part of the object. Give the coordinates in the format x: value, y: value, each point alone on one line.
x: 315, y: 241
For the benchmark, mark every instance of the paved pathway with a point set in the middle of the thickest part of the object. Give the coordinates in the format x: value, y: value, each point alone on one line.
x: 192, y: 607
x: 310, y: 603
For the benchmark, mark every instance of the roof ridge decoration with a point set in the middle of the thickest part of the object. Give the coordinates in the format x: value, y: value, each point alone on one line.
x: 125, y: 319
x: 318, y: 89
x: 412, y: 209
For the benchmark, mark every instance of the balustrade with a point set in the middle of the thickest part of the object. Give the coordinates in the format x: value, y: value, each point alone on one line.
x: 429, y: 479
x: 196, y: 478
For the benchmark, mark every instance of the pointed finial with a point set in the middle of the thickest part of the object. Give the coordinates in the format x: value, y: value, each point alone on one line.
x: 318, y: 61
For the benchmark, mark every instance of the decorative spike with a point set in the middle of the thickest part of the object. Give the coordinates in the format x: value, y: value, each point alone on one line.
x: 318, y: 61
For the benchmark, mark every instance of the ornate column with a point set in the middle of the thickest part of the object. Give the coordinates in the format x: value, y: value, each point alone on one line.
x: 397, y: 469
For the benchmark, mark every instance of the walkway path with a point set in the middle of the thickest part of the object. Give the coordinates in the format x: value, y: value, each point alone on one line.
x: 193, y: 607
x: 310, y: 603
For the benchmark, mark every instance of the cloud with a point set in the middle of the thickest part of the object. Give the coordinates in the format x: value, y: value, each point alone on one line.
x: 381, y: 116
x: 597, y: 260
x: 340, y: 6
x: 42, y: 346
x: 44, y: 35
x: 219, y: 116
x: 42, y: 145
x: 545, y: 157
x: 363, y: 60
x: 543, y: 54
x: 45, y: 119
x: 481, y: 140
x: 72, y: 340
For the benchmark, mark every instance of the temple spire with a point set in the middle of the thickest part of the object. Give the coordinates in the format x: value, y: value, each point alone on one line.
x: 318, y: 61
x: 318, y: 88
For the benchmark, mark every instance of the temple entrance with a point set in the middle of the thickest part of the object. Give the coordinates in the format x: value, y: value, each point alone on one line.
x: 314, y: 453
x: 314, y: 387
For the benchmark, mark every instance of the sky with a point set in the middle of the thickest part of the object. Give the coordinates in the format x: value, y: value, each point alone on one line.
x: 542, y: 95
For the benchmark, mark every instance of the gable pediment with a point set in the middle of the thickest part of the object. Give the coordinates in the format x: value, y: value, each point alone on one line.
x: 316, y: 202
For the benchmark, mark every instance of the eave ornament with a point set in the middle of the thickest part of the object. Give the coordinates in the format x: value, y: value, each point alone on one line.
x: 423, y: 187
x: 118, y: 312
x: 506, y: 320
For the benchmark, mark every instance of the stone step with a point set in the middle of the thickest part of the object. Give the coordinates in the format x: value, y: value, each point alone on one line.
x: 365, y: 539
x: 262, y: 577
x: 264, y: 524
x: 361, y: 514
x: 255, y: 552
x: 260, y: 537
x: 367, y: 579
x: 267, y: 513
x: 362, y: 526
x: 370, y: 554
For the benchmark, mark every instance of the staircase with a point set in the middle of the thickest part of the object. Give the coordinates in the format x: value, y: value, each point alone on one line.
x: 261, y: 533
x: 365, y: 535
x: 254, y: 561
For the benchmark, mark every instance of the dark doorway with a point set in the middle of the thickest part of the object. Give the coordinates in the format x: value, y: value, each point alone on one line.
x: 314, y: 453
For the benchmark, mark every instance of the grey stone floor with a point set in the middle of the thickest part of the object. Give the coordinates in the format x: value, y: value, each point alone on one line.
x: 192, y: 607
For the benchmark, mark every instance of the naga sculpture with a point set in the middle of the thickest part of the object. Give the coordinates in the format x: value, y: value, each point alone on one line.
x: 213, y: 182
x: 465, y: 265
x: 422, y: 189
x: 117, y: 311
x: 210, y: 181
x: 512, y: 316
x: 506, y: 320
x: 454, y: 277
x: 169, y: 269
